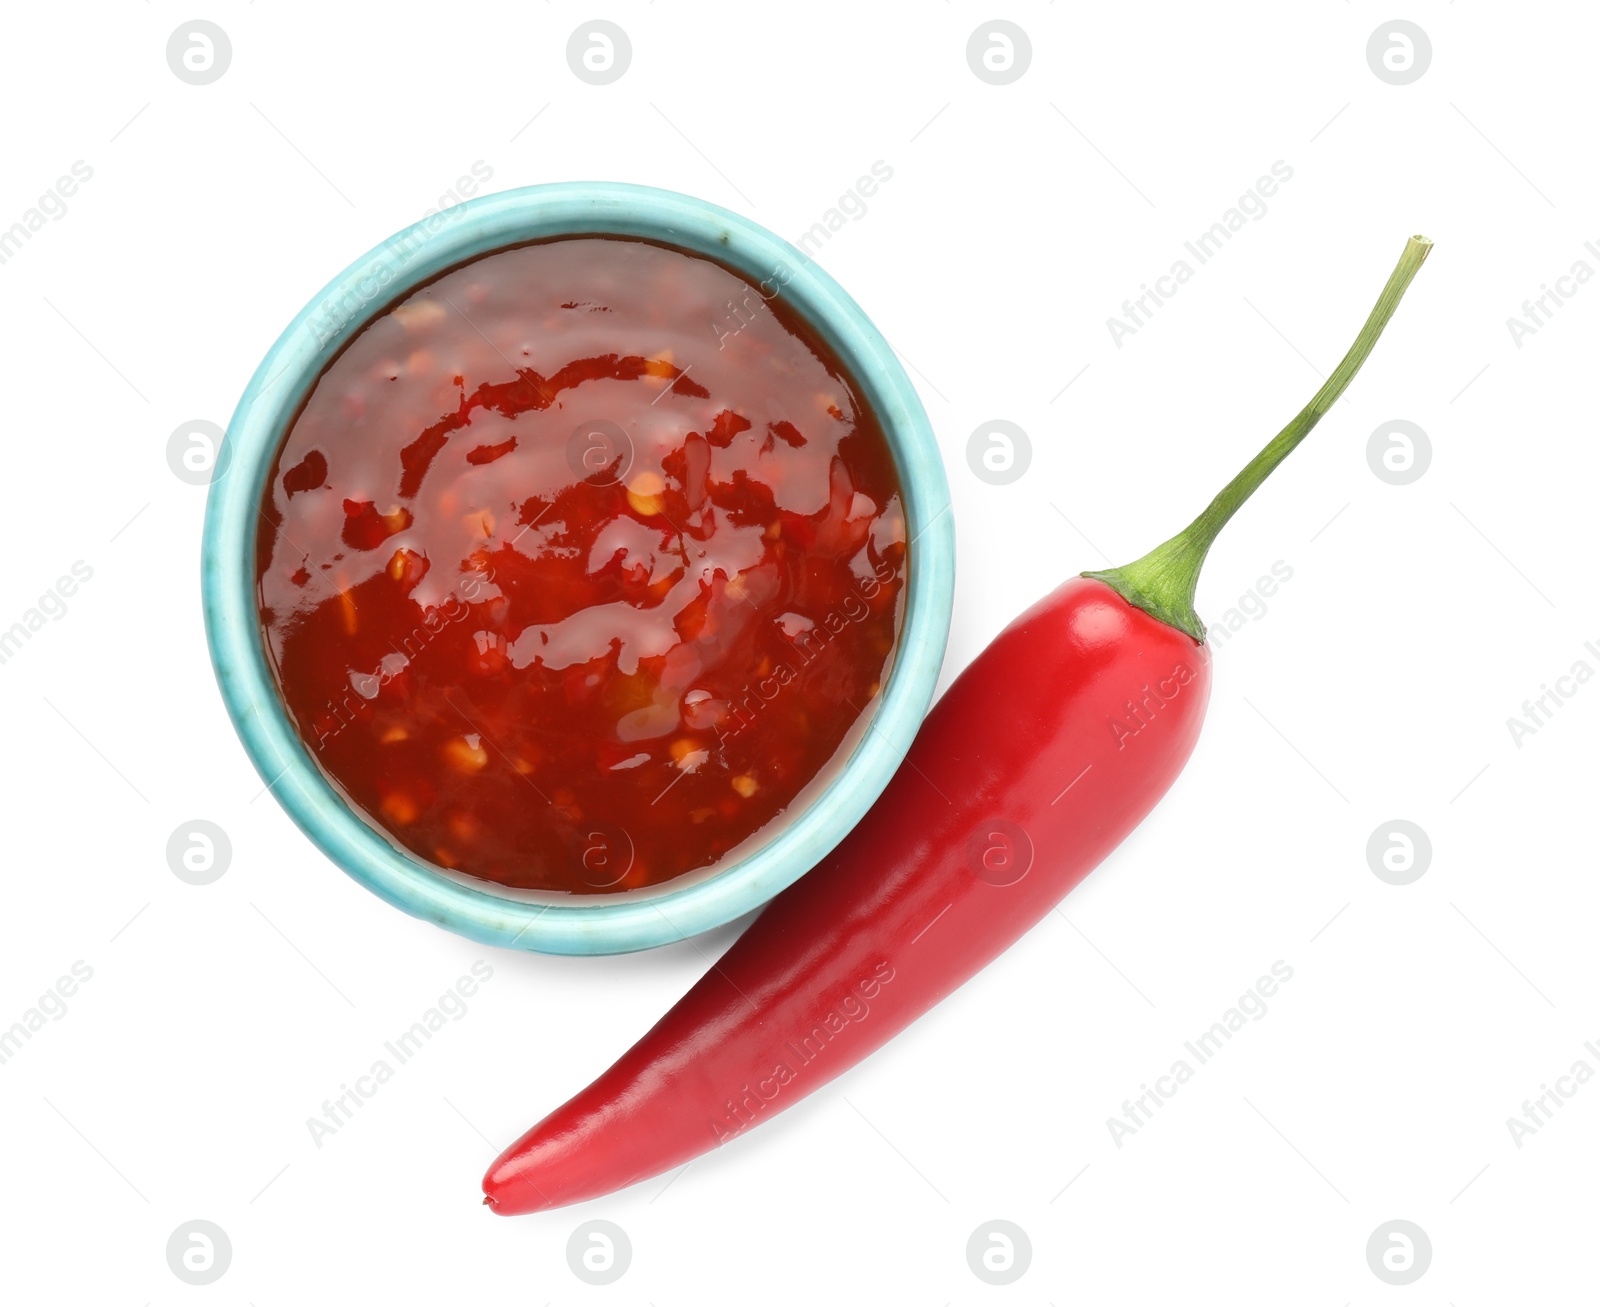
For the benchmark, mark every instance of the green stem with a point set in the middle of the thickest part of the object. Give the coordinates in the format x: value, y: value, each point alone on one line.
x: 1163, y: 581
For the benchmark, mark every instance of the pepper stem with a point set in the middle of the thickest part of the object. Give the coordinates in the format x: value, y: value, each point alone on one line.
x: 1163, y: 581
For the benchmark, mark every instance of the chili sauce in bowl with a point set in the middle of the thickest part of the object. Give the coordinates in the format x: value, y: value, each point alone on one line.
x: 579, y: 563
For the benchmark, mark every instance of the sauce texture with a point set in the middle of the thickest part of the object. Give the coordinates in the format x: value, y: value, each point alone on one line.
x: 579, y: 563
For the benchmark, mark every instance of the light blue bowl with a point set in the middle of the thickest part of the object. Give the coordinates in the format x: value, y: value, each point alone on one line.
x: 572, y: 924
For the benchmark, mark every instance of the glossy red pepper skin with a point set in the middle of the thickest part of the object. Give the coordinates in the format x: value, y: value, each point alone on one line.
x: 1039, y: 760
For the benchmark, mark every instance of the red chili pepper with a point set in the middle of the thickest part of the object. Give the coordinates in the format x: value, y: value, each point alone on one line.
x: 1039, y: 760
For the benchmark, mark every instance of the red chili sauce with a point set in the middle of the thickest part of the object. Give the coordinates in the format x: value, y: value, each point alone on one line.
x: 579, y: 563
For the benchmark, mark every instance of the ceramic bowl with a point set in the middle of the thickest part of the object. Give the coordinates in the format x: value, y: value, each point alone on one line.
x: 571, y: 923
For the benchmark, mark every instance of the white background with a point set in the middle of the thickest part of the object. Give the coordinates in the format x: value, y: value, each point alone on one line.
x: 1019, y: 217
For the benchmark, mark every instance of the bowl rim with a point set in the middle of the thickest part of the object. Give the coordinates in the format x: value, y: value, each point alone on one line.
x: 379, y: 278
